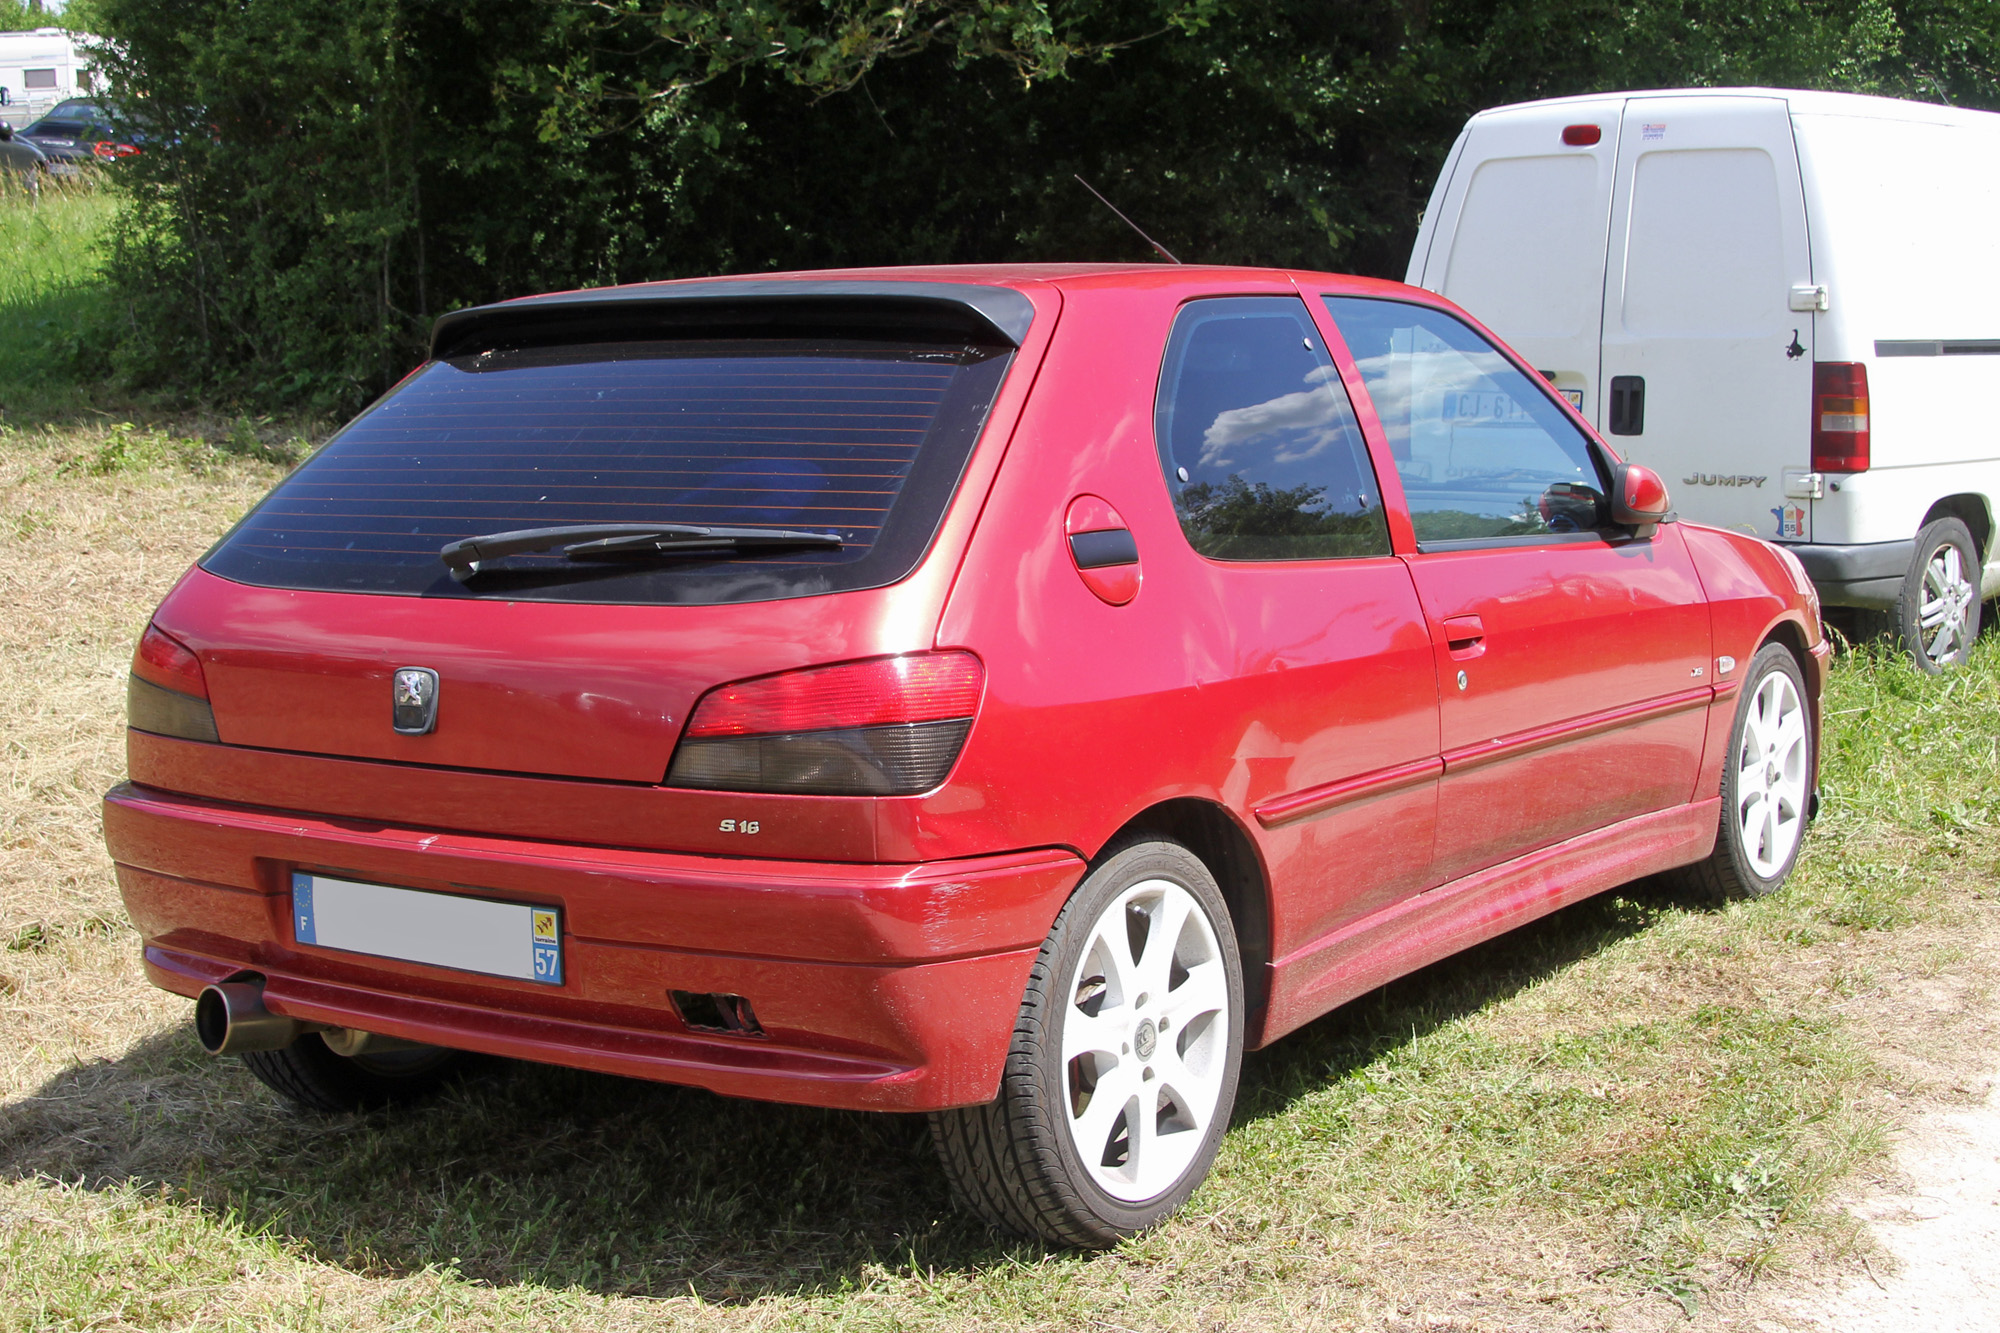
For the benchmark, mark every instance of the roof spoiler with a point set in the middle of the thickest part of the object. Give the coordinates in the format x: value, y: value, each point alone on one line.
x: 978, y: 313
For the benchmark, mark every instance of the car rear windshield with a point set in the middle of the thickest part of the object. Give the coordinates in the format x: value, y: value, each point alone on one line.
x: 61, y: 129
x: 864, y: 439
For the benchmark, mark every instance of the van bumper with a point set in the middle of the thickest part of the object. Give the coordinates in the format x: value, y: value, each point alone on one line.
x: 1868, y: 575
x: 882, y: 987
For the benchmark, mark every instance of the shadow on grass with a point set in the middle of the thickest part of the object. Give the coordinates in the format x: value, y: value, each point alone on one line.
x: 530, y: 1174
x: 53, y: 355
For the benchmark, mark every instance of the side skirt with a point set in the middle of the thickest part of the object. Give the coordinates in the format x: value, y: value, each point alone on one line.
x: 1396, y: 941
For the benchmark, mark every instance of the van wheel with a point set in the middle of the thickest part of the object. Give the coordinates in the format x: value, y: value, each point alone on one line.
x: 312, y: 1077
x: 1766, y: 786
x: 1123, y: 1069
x: 1937, y: 612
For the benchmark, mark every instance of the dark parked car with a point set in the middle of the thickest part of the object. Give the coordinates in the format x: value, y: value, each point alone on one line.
x: 20, y: 158
x: 77, y: 132
x: 1006, y: 693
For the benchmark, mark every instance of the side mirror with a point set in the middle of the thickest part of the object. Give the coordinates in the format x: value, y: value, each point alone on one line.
x: 1639, y: 499
x: 6, y: 133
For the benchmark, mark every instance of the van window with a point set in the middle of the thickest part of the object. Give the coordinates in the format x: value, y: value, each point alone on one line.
x: 1529, y: 246
x: 1263, y: 455
x: 1481, y: 450
x: 862, y: 439
x: 1705, y: 254
x: 38, y: 78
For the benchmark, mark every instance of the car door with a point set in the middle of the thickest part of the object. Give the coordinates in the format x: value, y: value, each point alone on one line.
x: 1708, y: 311
x: 1571, y: 658
x: 1333, y: 738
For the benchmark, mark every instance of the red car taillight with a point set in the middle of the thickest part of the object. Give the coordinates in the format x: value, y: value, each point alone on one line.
x: 892, y: 726
x: 167, y: 693
x: 169, y: 663
x: 1840, y: 417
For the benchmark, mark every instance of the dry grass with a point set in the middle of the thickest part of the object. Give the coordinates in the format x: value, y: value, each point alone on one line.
x: 86, y: 551
x: 1632, y: 1110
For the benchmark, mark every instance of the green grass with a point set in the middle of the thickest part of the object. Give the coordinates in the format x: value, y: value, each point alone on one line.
x: 1659, y: 1093
x: 53, y: 308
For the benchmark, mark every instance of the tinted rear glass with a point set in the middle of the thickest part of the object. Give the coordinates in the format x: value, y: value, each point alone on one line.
x: 862, y: 439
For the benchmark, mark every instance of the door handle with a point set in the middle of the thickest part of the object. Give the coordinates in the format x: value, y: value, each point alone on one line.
x: 1628, y: 405
x: 1464, y: 637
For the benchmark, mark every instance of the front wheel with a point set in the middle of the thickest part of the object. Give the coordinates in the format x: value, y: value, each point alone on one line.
x: 1122, y: 1074
x: 1937, y: 612
x: 1766, y: 785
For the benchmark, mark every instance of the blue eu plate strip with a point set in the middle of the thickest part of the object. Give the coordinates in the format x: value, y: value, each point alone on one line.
x: 302, y: 908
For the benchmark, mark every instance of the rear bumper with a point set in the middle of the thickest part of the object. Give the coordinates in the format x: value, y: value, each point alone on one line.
x: 890, y: 987
x: 1867, y: 575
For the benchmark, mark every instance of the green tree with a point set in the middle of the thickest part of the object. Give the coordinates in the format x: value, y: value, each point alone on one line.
x: 328, y: 178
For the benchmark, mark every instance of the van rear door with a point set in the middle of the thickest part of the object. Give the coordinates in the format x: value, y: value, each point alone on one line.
x: 1520, y: 235
x: 1707, y: 368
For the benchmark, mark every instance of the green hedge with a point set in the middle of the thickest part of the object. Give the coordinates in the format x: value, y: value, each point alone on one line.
x: 329, y: 178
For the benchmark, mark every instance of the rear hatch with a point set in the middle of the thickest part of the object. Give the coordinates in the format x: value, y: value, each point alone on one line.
x: 846, y: 415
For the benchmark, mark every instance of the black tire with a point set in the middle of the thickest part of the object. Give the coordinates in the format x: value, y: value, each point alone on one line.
x: 1014, y: 1161
x: 309, y: 1075
x: 1735, y: 870
x: 1943, y: 578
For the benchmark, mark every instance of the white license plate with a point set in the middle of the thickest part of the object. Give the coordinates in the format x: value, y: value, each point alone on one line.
x: 442, y: 929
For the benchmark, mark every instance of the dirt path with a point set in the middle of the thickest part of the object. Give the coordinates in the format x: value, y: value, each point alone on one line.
x: 1937, y: 1219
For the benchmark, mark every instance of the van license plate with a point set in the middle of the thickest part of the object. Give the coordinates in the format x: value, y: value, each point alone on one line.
x: 442, y: 929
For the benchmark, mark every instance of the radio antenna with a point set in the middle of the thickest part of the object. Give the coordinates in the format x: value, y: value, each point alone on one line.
x: 1163, y: 251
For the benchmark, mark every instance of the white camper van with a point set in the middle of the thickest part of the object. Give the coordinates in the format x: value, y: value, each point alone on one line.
x: 1788, y: 303
x: 38, y: 69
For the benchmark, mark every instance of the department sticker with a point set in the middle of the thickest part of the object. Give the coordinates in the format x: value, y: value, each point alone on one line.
x: 1791, y: 520
x: 548, y: 947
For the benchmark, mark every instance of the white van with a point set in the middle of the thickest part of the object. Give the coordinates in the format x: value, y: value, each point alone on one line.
x: 1788, y: 303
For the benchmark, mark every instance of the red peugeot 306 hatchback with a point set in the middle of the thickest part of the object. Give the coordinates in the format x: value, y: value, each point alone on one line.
x: 1004, y: 693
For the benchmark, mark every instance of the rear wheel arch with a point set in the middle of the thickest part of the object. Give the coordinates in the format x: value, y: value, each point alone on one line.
x: 1215, y: 837
x: 1970, y: 509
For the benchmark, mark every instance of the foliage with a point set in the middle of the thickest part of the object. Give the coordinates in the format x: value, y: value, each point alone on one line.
x: 25, y: 16
x: 329, y: 178
x: 1240, y: 520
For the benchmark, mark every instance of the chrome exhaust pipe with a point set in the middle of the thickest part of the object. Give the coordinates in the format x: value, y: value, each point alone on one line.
x: 230, y: 1018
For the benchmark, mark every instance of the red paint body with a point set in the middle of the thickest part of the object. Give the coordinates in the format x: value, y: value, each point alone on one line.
x: 1389, y: 817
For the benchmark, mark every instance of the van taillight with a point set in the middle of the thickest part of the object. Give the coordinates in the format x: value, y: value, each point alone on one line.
x: 1581, y: 136
x: 166, y: 693
x: 1840, y: 417
x: 891, y: 726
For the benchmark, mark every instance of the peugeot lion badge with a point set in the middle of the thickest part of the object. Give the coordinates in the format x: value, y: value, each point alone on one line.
x: 415, y: 698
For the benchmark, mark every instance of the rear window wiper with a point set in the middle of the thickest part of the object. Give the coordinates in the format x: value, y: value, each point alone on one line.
x: 625, y: 541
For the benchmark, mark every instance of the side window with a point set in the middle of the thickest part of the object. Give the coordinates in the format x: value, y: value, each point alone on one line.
x: 1263, y: 455
x: 1480, y: 449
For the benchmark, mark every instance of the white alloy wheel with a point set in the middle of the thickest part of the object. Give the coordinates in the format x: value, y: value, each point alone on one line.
x: 1122, y: 1071
x: 1766, y: 786
x: 1771, y: 775
x: 1145, y: 1032
x: 1948, y: 595
x: 1937, y: 610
